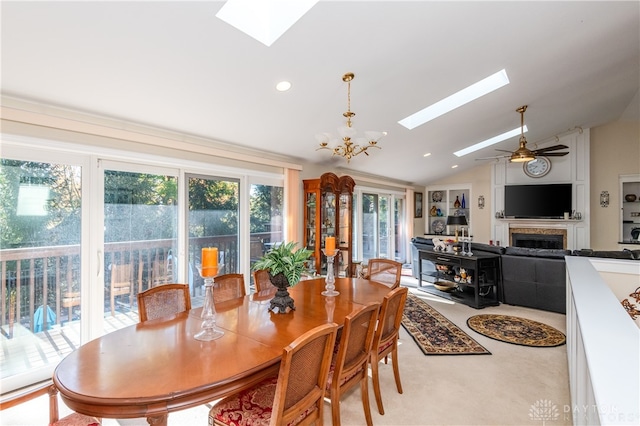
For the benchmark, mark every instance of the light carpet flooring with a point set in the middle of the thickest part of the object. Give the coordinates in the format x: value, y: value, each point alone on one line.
x: 497, y: 389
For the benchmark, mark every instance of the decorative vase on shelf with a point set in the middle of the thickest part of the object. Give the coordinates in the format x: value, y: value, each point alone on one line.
x: 464, y: 203
x: 630, y: 198
x: 456, y: 204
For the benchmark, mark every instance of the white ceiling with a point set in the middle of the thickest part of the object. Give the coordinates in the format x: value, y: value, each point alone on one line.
x: 175, y: 66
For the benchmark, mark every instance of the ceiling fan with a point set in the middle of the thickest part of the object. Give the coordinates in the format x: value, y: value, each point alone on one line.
x: 524, y: 154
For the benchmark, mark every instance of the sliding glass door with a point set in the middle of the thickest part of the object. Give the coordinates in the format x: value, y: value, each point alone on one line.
x: 43, y: 281
x: 379, y: 226
x: 140, y: 235
x: 212, y: 221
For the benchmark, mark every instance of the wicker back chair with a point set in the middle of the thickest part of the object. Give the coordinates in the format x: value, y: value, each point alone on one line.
x: 227, y: 287
x: 163, y: 300
x: 261, y: 280
x: 294, y: 396
x: 384, y: 271
x: 350, y: 364
x: 385, y: 340
x: 74, y: 419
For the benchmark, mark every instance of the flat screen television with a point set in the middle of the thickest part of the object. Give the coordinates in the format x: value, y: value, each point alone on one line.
x: 537, y: 201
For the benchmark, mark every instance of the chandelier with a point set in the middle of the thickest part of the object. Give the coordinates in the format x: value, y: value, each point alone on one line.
x: 348, y: 148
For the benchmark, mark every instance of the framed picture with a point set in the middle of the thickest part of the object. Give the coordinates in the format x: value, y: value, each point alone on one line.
x: 417, y: 202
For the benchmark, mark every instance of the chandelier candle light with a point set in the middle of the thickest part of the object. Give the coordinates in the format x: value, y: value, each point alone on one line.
x: 348, y: 148
x: 209, y: 270
x: 330, y: 251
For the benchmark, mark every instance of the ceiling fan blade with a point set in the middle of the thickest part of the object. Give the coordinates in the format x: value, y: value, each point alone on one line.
x: 503, y: 150
x: 498, y: 157
x: 550, y: 148
x: 553, y: 154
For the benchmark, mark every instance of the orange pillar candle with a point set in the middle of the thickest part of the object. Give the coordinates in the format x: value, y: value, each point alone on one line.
x: 209, y: 261
x: 330, y: 245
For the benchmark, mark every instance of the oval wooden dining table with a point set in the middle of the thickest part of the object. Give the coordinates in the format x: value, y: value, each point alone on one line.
x: 153, y: 368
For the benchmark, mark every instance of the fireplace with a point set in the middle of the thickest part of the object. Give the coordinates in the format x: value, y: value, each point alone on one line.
x: 543, y: 238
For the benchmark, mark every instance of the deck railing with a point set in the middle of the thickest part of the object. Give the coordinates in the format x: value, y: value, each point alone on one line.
x: 33, y: 277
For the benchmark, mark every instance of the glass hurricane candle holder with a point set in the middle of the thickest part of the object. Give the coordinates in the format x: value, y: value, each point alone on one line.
x: 330, y: 288
x: 209, y: 331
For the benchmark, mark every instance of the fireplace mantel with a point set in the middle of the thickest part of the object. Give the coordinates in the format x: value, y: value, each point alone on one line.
x: 572, y: 168
x: 566, y: 228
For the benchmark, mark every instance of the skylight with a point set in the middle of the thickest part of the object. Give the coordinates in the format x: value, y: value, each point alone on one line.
x: 491, y: 141
x: 456, y: 100
x: 264, y: 20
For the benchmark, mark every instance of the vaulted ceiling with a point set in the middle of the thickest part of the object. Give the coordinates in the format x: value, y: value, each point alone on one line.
x: 176, y: 66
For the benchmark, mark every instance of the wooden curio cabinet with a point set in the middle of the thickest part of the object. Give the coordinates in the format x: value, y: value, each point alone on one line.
x: 328, y: 212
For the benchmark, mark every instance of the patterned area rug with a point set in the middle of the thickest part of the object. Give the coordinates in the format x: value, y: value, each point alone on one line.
x: 516, y: 330
x: 435, y: 334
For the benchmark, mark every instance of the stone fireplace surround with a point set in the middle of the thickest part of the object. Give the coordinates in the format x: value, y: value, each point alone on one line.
x: 548, y: 238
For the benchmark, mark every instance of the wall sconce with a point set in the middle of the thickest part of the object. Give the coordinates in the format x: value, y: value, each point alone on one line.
x: 604, y: 199
x: 481, y: 202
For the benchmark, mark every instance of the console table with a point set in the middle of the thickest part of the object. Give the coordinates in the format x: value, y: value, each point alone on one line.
x: 482, y: 289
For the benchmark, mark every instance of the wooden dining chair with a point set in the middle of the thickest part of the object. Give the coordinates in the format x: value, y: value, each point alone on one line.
x: 47, y: 387
x: 349, y: 366
x: 294, y: 396
x: 166, y: 299
x: 121, y: 283
x: 385, y: 340
x: 384, y: 271
x: 74, y: 419
x: 227, y: 287
x: 261, y: 280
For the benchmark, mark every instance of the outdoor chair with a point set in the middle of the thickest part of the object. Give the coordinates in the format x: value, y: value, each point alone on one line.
x: 349, y: 366
x: 385, y: 341
x: 384, y: 271
x: 161, y: 272
x: 121, y: 283
x: 294, y: 396
x: 163, y: 300
x: 227, y: 287
x: 261, y: 280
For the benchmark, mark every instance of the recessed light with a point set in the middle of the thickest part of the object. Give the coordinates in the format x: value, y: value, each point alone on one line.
x: 283, y: 86
x: 464, y: 96
x: 491, y: 141
x: 427, y: 154
x: 455, y: 166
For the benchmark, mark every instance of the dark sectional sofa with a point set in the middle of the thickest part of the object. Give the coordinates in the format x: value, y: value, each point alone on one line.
x: 534, y: 278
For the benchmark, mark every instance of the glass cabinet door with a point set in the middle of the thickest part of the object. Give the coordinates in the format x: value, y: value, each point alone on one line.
x: 310, y: 226
x: 328, y: 223
x: 344, y: 235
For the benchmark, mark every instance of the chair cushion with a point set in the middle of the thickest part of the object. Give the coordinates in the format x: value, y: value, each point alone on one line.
x: 385, y: 346
x: 344, y: 380
x: 250, y: 407
x: 77, y: 419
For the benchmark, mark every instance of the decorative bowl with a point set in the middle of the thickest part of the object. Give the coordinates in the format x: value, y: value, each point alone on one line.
x: 445, y: 286
x: 630, y: 197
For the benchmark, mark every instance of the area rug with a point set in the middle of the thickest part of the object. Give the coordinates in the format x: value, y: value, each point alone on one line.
x: 434, y: 334
x: 516, y: 330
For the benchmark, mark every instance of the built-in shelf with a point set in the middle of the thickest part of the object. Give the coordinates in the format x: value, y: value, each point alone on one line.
x: 629, y: 210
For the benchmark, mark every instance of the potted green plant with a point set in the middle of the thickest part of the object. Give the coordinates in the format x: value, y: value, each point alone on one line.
x: 285, y: 264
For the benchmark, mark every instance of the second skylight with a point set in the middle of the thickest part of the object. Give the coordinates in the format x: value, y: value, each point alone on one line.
x: 464, y: 96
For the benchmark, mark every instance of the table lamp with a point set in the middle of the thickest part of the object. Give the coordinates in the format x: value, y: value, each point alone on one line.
x: 457, y: 221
